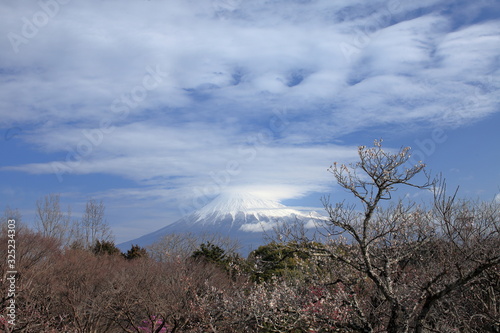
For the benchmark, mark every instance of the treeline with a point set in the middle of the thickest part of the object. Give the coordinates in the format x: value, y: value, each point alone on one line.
x: 280, y: 287
x: 382, y: 266
x: 83, y: 233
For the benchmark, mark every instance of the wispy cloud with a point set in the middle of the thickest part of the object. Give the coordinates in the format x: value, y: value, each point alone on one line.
x: 255, y: 92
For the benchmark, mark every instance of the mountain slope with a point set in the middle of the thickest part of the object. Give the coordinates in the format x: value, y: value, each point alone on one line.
x: 241, y: 216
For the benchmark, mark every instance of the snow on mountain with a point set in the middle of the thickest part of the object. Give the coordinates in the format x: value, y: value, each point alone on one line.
x: 242, y: 216
x: 233, y: 203
x: 243, y: 210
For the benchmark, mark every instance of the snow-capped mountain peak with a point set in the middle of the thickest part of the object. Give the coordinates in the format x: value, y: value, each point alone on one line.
x: 231, y: 203
x: 243, y: 216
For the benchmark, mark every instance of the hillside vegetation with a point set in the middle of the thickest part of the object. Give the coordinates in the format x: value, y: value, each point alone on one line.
x: 385, y: 265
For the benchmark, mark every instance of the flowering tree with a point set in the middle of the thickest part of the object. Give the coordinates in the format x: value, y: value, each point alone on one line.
x: 386, y: 265
x: 153, y: 325
x: 413, y: 258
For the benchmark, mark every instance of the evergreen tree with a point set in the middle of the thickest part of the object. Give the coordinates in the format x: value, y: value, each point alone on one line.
x: 136, y: 252
x: 211, y: 253
x: 104, y: 247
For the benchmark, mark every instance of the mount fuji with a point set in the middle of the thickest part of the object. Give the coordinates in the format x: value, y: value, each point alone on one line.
x: 241, y: 216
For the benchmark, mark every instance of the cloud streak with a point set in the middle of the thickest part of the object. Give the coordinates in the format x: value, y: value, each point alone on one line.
x: 255, y: 92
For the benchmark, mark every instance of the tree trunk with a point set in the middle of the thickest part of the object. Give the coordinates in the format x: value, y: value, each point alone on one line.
x: 394, y: 326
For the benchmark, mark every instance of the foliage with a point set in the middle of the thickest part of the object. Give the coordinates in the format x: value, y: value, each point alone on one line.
x: 415, y: 258
x: 385, y: 266
x: 136, y: 252
x: 105, y: 247
x: 153, y: 325
x: 287, y: 260
x: 211, y: 253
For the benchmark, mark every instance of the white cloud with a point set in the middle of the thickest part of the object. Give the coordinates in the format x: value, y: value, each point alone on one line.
x: 203, y: 157
x: 258, y: 227
x: 231, y: 67
x: 86, y: 58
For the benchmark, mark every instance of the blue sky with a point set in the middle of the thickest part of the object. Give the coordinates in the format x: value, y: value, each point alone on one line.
x: 157, y: 106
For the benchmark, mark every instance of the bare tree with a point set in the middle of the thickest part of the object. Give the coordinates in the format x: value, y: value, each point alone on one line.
x: 9, y: 214
x: 34, y: 255
x: 413, y: 257
x: 92, y: 226
x: 50, y: 221
x: 172, y: 247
